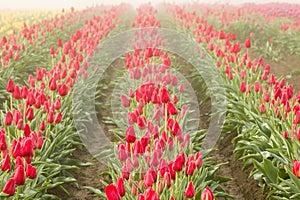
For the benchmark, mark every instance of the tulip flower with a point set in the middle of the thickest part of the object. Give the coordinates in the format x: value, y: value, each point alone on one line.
x: 58, y: 118
x: 207, y: 194
x: 190, y: 190
x: 141, y: 122
x: 6, y: 163
x: 30, y: 171
x: 19, y: 175
x: 172, y: 109
x: 63, y: 90
x: 243, y: 86
x: 130, y: 135
x: 125, y: 101
x: 164, y: 95
x: 3, y: 145
x: 141, y: 197
x: 120, y: 187
x: 296, y: 168
x: 10, y: 187
x: 27, y: 130
x: 151, y: 194
x: 112, y: 192
x: 148, y: 179
x: 247, y: 43
x: 10, y: 86
x: 8, y: 119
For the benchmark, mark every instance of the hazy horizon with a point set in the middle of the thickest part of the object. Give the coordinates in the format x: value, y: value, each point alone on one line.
x: 59, y: 4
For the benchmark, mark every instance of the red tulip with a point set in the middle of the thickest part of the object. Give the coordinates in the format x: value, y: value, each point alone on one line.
x: 10, y: 187
x: 141, y: 122
x: 30, y: 171
x: 130, y: 134
x: 247, y: 43
x: 3, y: 145
x: 191, y: 168
x: 190, y: 190
x: 151, y: 194
x: 112, y: 192
x: 172, y: 109
x: 207, y: 194
x: 243, y: 86
x: 58, y: 118
x: 141, y: 197
x: 50, y: 117
x: 52, y: 84
x: 10, y: 86
x: 262, y: 108
x: 296, y: 168
x: 63, y: 90
x: 8, y: 119
x: 29, y: 114
x: 164, y: 95
x: 125, y: 101
x: 6, y: 163
x: 285, y: 134
x: 120, y: 187
x: 42, y: 125
x: 19, y: 175
x: 27, y: 130
x: 148, y: 179
x: 167, y: 179
x: 27, y: 148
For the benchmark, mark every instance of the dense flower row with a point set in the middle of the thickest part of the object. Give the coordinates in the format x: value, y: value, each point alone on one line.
x: 34, y: 111
x: 263, y: 107
x: 155, y: 156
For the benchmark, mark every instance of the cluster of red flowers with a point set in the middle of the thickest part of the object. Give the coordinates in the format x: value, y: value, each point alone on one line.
x: 276, y: 96
x: 34, y: 109
x: 155, y: 142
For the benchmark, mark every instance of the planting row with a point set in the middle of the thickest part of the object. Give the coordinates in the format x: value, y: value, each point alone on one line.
x: 37, y: 132
x: 262, y: 109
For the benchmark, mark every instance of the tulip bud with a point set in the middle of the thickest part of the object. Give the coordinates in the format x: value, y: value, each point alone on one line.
x: 112, y: 192
x: 125, y: 101
x: 10, y: 86
x: 120, y: 187
x: 63, y: 90
x: 130, y: 134
x: 3, y: 145
x: 6, y: 163
x: 207, y: 194
x: 27, y: 130
x: 19, y: 175
x: 10, y: 187
x: 30, y: 171
x: 8, y: 119
x: 243, y: 86
x: 247, y: 43
x: 190, y: 190
x: 164, y: 95
x: 58, y: 118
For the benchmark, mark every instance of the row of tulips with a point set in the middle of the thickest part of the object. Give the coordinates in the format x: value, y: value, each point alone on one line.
x: 274, y: 26
x: 262, y: 108
x: 37, y: 133
x: 14, y: 21
x: 22, y: 52
x: 155, y: 158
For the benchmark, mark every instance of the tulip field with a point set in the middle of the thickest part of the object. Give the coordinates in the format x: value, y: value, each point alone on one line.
x: 169, y: 101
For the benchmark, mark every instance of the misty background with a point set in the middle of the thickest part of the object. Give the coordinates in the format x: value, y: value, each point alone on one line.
x: 59, y: 4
